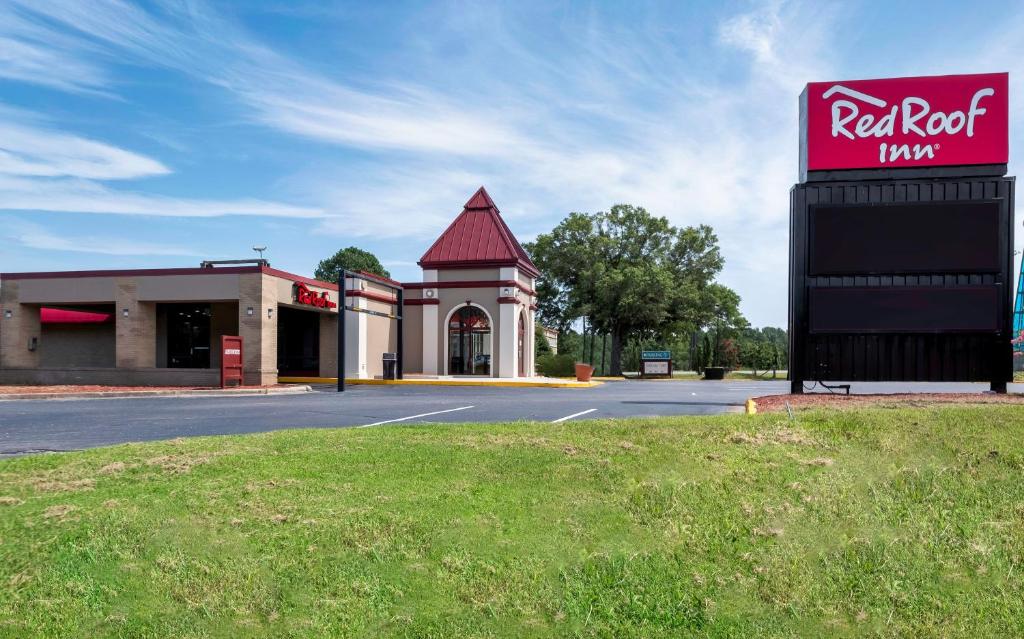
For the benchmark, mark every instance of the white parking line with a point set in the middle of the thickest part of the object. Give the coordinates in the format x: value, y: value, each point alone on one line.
x: 403, y: 419
x: 582, y: 412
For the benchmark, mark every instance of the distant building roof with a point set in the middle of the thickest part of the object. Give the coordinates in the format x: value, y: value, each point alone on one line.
x: 478, y: 237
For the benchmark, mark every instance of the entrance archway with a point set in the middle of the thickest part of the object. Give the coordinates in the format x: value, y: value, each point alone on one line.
x: 469, y: 342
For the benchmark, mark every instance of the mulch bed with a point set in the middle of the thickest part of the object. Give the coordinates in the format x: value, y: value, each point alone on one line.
x: 775, y: 403
x: 39, y: 390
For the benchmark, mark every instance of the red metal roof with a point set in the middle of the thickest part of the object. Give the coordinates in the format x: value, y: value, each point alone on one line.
x: 478, y: 237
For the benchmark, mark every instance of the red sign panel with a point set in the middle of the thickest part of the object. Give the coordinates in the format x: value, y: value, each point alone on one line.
x: 305, y: 296
x: 230, y: 360
x: 905, y: 122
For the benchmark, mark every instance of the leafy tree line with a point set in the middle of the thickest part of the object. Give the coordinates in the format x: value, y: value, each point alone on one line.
x: 758, y: 349
x: 634, y: 277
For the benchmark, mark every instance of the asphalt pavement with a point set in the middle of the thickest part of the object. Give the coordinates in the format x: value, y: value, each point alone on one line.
x: 57, y: 425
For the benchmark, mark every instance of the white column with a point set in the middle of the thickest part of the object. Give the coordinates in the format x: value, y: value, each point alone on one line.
x: 355, y: 337
x: 531, y: 346
x: 431, y: 327
x: 506, y: 336
x: 508, y: 328
x: 430, y: 337
x: 531, y: 329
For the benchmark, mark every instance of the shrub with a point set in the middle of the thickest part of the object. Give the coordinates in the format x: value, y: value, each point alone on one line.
x: 563, y: 365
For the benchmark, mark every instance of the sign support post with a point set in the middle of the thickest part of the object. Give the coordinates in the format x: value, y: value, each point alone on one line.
x: 342, y: 293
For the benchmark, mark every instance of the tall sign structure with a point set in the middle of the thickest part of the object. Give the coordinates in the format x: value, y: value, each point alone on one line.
x: 901, y: 232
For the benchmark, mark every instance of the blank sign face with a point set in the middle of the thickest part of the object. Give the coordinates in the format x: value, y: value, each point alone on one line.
x: 924, y: 237
x: 655, y: 368
x: 920, y: 309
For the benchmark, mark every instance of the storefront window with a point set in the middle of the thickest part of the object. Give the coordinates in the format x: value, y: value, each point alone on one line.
x: 469, y: 342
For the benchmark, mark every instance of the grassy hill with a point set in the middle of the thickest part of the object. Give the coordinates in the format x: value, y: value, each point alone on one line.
x: 853, y: 523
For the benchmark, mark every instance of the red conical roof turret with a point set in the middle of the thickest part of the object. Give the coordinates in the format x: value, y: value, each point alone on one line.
x: 477, y: 238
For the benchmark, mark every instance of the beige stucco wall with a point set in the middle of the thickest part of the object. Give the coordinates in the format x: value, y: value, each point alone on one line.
x: 381, y: 337
x: 285, y: 294
x: 151, y: 288
x: 468, y: 275
x: 66, y: 290
x: 188, y: 288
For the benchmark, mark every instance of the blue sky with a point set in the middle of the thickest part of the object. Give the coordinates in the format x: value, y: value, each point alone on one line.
x: 160, y: 134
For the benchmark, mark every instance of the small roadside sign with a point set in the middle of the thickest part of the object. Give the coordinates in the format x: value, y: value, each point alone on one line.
x: 656, y: 355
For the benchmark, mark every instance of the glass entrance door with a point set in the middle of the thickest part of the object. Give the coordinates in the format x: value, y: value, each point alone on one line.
x: 188, y: 335
x: 469, y: 342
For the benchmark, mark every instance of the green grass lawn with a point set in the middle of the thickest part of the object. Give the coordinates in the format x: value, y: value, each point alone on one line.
x: 853, y: 523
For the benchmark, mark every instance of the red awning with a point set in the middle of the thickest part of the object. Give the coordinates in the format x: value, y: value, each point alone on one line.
x: 64, y: 316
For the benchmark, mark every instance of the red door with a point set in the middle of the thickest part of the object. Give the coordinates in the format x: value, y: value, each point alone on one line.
x: 522, y: 346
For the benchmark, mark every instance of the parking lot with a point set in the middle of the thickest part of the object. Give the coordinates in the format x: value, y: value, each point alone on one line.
x: 58, y: 425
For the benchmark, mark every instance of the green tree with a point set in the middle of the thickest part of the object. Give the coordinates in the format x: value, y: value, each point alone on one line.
x: 631, y: 274
x: 724, y: 322
x: 540, y: 343
x: 350, y: 259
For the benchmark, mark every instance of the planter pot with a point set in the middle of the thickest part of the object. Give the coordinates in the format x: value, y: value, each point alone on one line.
x: 584, y: 372
x: 714, y: 372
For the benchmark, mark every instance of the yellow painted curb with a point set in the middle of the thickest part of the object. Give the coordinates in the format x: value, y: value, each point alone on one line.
x: 433, y: 382
x: 751, y: 407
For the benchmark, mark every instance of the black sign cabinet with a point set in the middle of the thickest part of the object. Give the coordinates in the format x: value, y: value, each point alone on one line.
x: 901, y: 275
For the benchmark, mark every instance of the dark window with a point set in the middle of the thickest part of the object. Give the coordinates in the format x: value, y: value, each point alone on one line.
x: 929, y: 237
x: 188, y: 335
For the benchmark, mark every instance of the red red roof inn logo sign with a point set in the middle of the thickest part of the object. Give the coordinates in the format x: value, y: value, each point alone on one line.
x: 309, y: 298
x: 905, y: 122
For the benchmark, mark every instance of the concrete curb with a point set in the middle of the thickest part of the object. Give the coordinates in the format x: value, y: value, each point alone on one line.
x: 217, y: 392
x: 434, y: 382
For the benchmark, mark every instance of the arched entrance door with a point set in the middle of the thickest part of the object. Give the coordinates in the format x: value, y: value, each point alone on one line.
x: 469, y: 342
x: 522, y: 345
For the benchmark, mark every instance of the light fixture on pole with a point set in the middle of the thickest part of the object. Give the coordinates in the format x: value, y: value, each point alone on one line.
x: 259, y: 249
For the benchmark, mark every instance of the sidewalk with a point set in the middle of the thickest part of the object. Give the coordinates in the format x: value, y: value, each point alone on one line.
x: 99, y: 392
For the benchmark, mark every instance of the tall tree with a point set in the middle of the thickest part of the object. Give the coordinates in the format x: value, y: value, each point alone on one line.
x: 350, y: 259
x: 631, y: 274
x: 724, y: 320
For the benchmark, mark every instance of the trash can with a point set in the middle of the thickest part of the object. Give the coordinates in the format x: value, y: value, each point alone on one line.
x: 390, y: 361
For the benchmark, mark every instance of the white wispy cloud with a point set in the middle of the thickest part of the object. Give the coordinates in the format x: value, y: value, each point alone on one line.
x: 35, y: 236
x: 84, y: 196
x: 45, y: 169
x: 33, y: 151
